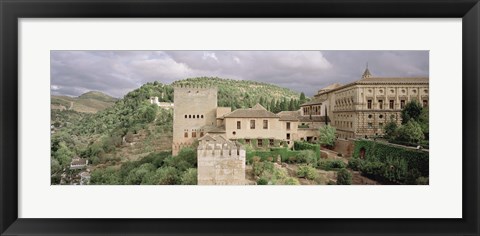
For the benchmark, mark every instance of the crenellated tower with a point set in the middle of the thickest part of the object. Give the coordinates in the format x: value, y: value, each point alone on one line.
x: 194, y: 113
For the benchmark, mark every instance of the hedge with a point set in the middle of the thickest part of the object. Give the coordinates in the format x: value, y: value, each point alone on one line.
x: 271, y: 155
x: 307, y: 146
x: 390, y: 163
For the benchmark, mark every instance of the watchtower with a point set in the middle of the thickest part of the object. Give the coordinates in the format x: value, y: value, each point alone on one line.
x: 194, y: 111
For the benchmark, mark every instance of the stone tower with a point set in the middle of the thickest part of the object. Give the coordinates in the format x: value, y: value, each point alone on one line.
x: 194, y: 113
x: 220, y: 161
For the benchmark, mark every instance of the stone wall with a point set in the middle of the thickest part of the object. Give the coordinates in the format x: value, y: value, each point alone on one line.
x: 220, y: 162
x: 345, y: 147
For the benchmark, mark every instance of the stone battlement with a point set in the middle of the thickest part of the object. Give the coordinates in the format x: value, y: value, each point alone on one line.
x: 220, y: 161
x: 190, y: 86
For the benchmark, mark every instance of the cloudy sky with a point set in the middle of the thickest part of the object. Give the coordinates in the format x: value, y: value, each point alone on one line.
x: 118, y: 72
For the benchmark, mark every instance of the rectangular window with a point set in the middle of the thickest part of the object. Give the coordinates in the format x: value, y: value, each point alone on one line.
x: 239, y: 124
x: 194, y: 134
x: 260, y: 142
x: 402, y: 104
x: 271, y: 142
x: 185, y: 135
x: 265, y: 124
x: 247, y: 141
x: 288, y: 135
x: 425, y: 103
x: 252, y: 124
x: 369, y: 104
x: 370, y: 125
x: 391, y: 104
x: 201, y: 134
x: 380, y: 104
x: 288, y: 125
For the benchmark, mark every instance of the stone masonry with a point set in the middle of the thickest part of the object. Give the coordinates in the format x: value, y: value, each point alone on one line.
x: 220, y: 161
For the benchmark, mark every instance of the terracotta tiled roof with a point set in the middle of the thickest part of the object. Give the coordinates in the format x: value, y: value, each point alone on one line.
x: 257, y: 111
x: 289, y: 115
x: 314, y: 102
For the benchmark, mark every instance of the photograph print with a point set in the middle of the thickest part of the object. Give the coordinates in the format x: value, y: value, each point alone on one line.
x: 331, y: 117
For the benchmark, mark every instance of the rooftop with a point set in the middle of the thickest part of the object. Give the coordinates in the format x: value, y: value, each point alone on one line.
x: 257, y: 111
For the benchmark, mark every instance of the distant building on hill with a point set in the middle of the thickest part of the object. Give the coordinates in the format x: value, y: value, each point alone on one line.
x: 164, y: 105
x: 78, y: 163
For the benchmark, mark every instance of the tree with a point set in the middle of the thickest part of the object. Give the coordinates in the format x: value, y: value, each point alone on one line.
x: 390, y: 129
x: 423, y: 120
x: 291, y: 105
x: 411, y: 111
x: 302, y: 98
x: 327, y: 135
x: 189, y: 177
x: 410, y: 132
x: 63, y: 155
x: 150, y: 113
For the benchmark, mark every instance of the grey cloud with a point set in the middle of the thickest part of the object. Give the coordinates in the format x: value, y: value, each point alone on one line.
x: 118, y: 72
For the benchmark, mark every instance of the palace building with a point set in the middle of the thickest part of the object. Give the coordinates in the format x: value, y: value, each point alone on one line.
x: 363, y: 107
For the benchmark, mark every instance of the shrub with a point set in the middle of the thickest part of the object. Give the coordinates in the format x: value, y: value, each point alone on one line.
x: 189, y: 177
x: 262, y: 181
x: 306, y: 171
x: 254, y: 143
x: 331, y: 164
x: 354, y: 163
x: 307, y: 157
x: 344, y: 177
x: 261, y: 167
x: 307, y: 146
x: 291, y: 181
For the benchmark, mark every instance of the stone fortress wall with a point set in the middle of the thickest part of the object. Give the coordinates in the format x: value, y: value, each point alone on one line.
x: 220, y: 162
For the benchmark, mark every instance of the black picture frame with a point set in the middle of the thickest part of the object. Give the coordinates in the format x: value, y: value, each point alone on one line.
x: 12, y: 10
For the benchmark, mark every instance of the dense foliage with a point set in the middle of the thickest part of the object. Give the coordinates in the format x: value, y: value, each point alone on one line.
x: 327, y: 135
x: 244, y: 93
x: 414, y: 130
x: 156, y: 168
x: 389, y: 163
x: 267, y: 174
x: 307, y: 146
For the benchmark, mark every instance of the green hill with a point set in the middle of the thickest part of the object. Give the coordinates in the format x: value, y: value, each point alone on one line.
x: 131, y: 128
x: 90, y: 102
x: 246, y: 93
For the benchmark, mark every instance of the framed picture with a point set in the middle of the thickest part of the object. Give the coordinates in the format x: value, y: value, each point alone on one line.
x: 228, y: 117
